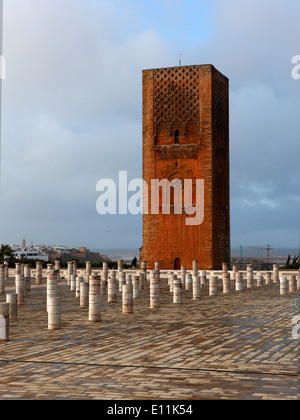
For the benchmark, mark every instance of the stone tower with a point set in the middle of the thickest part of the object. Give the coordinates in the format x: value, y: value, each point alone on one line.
x: 186, y: 136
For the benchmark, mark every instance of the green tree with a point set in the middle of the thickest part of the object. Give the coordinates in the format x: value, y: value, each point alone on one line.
x: 6, y: 254
x: 134, y: 262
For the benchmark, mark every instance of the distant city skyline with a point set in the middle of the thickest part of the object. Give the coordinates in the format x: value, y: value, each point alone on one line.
x: 72, y: 111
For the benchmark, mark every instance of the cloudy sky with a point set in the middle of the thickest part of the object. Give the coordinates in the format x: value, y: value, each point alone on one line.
x: 71, y: 111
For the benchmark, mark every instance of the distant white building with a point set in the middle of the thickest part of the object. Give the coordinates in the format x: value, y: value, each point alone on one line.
x: 31, y: 254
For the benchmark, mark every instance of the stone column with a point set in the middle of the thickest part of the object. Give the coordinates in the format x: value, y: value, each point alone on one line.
x: 171, y: 281
x: 94, y: 299
x: 154, y: 293
x: 73, y: 282
x: 4, y: 321
x: 120, y: 269
x: 20, y: 286
x: 122, y: 281
x: 128, y: 279
x: 195, y: 268
x: 144, y: 269
x: 27, y: 275
x: 189, y: 281
x: 84, y: 294
x: 260, y: 281
x: 6, y: 266
x: 88, y: 270
x: 51, y: 286
x: 234, y: 271
x: 127, y: 298
x: 54, y: 312
x: 196, y: 288
x: 70, y: 272
x: 12, y: 300
x: 275, y: 273
x: 203, y: 278
x: 57, y: 268
x: 226, y: 283
x: 250, y: 276
x: 39, y: 273
x: 79, y: 280
x: 283, y: 285
x: 18, y: 272
x: 2, y: 279
x: 292, y: 283
x: 239, y: 281
x: 183, y: 274
x: 105, y: 271
x: 268, y: 278
x: 298, y: 281
x: 141, y: 280
x: 177, y: 290
x: 225, y: 268
x: 112, y: 287
x: 136, y: 288
x: 213, y: 285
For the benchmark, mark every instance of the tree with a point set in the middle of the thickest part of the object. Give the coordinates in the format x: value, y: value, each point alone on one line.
x: 134, y: 262
x: 6, y: 254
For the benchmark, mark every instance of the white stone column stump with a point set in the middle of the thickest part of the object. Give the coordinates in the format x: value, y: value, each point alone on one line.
x: 189, y: 281
x: 2, y: 279
x: 4, y: 321
x: 27, y: 276
x: 196, y: 288
x: 268, y: 278
x: 213, y: 285
x: 105, y: 271
x: 283, y: 285
x: 226, y: 283
x: 94, y: 299
x: 260, y: 281
x: 88, y: 270
x: 6, y: 266
x: 112, y: 291
x: 141, y: 280
x: 54, y: 313
x: 120, y: 269
x: 73, y: 282
x: 250, y: 284
x: 127, y: 298
x: 203, y: 278
x: 122, y: 281
x: 70, y: 272
x: 136, y: 288
x: 154, y: 293
x: 239, y: 286
x: 20, y: 289
x: 177, y: 290
x: 195, y: 268
x: 84, y: 294
x: 79, y: 280
x: 183, y: 274
x: 51, y: 286
x: 39, y: 273
x: 275, y: 273
x: 292, y: 283
x: 12, y: 300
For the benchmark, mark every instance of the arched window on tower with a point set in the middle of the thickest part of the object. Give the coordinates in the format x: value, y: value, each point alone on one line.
x: 177, y: 137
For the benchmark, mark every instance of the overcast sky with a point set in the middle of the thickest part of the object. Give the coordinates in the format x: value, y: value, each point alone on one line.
x: 72, y: 111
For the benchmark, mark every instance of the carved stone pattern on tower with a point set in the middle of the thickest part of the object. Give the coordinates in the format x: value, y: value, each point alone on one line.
x: 175, y: 98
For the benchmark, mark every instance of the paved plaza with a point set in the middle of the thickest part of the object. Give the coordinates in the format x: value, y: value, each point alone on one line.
x: 236, y: 346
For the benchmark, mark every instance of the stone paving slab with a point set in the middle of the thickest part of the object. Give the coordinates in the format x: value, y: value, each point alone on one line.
x: 236, y: 346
